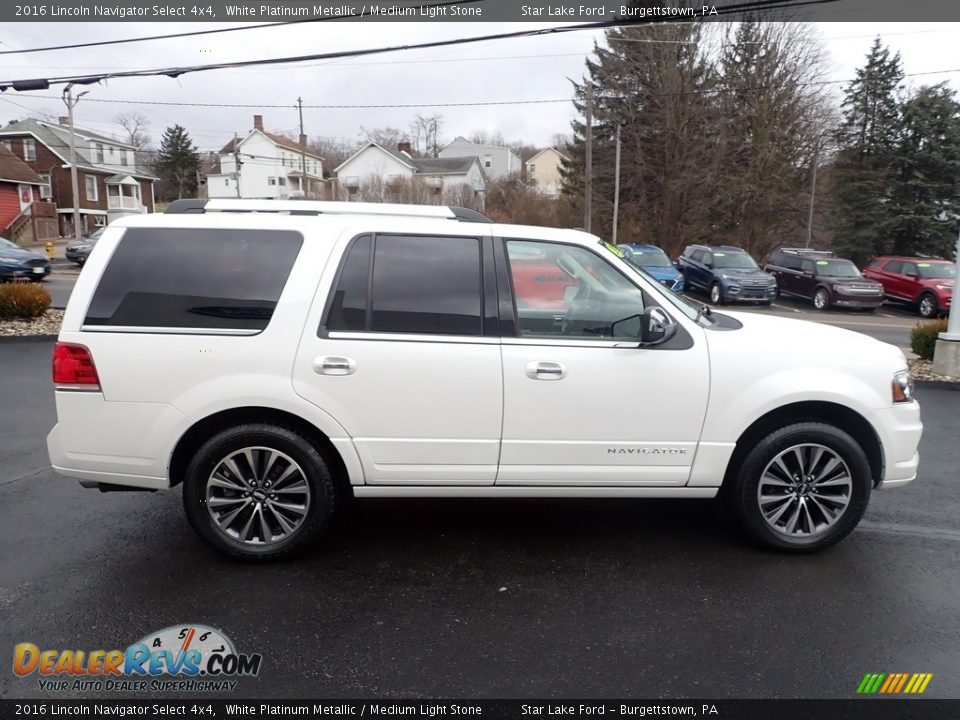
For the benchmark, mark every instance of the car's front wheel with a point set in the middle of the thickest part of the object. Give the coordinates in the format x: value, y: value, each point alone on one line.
x: 821, y: 299
x: 259, y: 492
x: 927, y: 306
x: 802, y: 488
x: 716, y: 294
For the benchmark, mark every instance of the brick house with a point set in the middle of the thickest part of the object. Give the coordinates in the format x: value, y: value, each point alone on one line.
x: 111, y: 185
x: 24, y: 217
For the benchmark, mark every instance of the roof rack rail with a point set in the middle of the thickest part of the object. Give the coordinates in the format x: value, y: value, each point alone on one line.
x: 322, y: 207
x: 807, y: 251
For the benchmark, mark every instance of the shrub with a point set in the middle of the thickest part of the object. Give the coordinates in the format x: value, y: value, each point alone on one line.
x: 23, y: 300
x: 923, y: 337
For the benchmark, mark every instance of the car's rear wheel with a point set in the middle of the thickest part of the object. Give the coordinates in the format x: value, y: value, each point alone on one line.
x: 821, y: 299
x: 716, y: 294
x: 259, y: 492
x: 927, y: 306
x: 802, y: 488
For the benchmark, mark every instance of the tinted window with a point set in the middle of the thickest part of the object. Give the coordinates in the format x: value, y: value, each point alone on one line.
x: 807, y: 266
x: 567, y: 291
x: 874, y: 265
x: 894, y: 266
x: 348, y: 307
x: 792, y: 262
x: 777, y: 259
x: 428, y: 285
x: 194, y: 278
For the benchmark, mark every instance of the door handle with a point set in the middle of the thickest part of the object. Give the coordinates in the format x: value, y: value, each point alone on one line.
x: 334, y: 365
x: 545, y: 370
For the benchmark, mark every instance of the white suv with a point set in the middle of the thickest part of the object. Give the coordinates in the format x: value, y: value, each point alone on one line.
x: 276, y: 358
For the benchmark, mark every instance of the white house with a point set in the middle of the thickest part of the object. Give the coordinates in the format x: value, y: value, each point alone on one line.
x: 270, y: 167
x: 497, y: 161
x: 543, y: 170
x: 376, y: 173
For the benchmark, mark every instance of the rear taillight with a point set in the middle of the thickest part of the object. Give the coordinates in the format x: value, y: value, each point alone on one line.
x: 73, y: 365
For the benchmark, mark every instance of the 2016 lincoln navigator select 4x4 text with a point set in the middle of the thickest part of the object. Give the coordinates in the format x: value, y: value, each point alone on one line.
x: 275, y: 358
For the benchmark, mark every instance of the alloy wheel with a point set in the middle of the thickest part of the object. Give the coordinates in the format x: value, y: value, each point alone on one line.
x: 258, y: 496
x: 928, y: 306
x: 804, y: 490
x: 715, y: 294
x: 820, y: 299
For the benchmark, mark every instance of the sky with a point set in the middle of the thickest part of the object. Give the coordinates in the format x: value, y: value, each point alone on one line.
x: 537, y: 68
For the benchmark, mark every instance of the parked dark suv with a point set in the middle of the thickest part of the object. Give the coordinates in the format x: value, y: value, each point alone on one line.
x: 726, y: 273
x: 825, y: 280
x: 926, y: 283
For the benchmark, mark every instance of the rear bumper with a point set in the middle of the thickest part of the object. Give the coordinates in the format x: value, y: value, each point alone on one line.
x: 9, y: 272
x: 64, y: 465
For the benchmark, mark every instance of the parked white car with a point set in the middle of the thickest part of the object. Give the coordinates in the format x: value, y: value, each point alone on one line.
x: 274, y: 358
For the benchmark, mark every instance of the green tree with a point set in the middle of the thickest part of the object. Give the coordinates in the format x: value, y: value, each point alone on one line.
x: 177, y: 163
x: 654, y: 82
x: 868, y: 140
x: 925, y: 196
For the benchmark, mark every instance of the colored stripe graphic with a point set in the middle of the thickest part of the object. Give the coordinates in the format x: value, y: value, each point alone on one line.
x: 894, y: 683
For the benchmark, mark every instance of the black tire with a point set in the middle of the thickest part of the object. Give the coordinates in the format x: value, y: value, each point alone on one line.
x: 716, y: 289
x: 321, y: 502
x: 821, y: 299
x: 741, y: 497
x: 927, y: 305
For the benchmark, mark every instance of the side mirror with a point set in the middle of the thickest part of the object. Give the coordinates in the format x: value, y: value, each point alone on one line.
x: 656, y: 326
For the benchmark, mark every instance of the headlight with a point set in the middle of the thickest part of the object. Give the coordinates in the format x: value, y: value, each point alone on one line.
x: 12, y: 261
x: 944, y: 287
x: 842, y: 289
x: 902, y: 387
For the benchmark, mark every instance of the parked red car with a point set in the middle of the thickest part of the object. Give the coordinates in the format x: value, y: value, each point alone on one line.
x: 925, y: 283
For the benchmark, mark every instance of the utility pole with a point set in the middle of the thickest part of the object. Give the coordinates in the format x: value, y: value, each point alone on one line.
x: 616, y: 187
x: 303, y: 152
x: 813, y: 193
x: 236, y: 163
x: 71, y: 102
x: 588, y: 161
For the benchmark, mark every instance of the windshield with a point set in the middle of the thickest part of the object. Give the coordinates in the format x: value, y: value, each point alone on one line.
x: 936, y: 271
x: 7, y: 245
x: 837, y: 268
x: 738, y: 261
x: 691, y: 310
x: 649, y: 258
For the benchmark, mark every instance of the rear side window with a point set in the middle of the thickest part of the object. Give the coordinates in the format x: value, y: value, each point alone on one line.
x: 425, y: 285
x: 791, y: 262
x: 894, y: 266
x: 194, y: 278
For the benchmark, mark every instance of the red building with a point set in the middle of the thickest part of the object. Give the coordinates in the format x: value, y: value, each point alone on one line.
x: 24, y: 217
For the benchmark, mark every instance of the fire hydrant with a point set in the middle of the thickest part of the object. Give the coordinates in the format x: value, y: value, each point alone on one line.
x: 49, y: 249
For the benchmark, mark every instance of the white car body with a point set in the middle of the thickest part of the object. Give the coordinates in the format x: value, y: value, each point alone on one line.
x: 438, y: 415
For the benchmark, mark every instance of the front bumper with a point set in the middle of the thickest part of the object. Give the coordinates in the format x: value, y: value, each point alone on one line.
x: 12, y: 272
x: 854, y: 301
x: 900, y: 429
x: 737, y: 293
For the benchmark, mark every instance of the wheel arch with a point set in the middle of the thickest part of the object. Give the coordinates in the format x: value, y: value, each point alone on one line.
x: 850, y: 421
x: 202, y: 430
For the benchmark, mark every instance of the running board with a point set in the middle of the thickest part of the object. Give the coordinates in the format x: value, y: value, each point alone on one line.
x: 512, y: 491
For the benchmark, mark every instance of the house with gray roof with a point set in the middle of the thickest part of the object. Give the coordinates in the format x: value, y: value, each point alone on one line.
x: 376, y: 173
x: 110, y: 182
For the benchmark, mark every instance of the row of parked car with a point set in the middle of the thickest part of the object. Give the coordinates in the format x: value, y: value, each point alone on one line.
x: 726, y: 273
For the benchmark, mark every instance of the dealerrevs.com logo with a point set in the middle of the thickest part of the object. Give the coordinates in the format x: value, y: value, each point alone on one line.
x: 188, y: 658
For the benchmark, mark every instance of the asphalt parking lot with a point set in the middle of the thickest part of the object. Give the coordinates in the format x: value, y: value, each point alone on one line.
x: 444, y: 598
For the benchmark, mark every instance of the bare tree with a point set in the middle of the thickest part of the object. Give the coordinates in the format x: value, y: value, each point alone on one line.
x: 333, y: 150
x: 425, y: 135
x: 135, y: 128
x: 386, y: 137
x: 487, y: 137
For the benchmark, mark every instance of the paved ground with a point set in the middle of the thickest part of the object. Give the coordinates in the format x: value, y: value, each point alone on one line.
x: 487, y: 599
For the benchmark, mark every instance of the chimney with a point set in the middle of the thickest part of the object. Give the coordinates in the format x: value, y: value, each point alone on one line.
x: 63, y: 120
x: 404, y: 147
x: 258, y: 122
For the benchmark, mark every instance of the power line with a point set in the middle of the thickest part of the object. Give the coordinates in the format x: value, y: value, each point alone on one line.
x: 194, y: 33
x: 175, y: 72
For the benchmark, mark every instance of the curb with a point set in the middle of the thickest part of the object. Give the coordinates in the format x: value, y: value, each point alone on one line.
x: 938, y: 384
x: 27, y: 338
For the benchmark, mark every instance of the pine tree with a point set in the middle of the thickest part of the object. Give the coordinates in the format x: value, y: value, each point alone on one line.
x: 178, y: 162
x: 654, y: 82
x: 925, y: 196
x: 868, y: 140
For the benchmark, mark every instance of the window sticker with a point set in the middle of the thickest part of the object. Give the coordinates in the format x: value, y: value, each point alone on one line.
x: 614, y: 249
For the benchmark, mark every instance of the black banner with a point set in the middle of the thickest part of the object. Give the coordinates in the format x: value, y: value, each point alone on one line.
x: 539, y: 11
x: 861, y: 709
